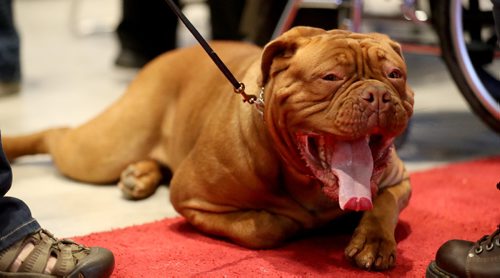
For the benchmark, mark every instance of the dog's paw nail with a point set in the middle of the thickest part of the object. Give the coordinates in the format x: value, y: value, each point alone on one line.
x: 352, y: 252
x: 131, y: 171
x: 124, y: 190
x: 378, y: 263
x: 129, y: 183
x: 368, y: 265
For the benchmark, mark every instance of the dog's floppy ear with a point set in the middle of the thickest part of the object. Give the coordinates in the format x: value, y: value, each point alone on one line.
x: 397, y: 47
x: 277, y: 52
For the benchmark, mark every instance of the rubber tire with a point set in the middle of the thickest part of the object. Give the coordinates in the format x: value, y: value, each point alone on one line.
x: 442, y: 22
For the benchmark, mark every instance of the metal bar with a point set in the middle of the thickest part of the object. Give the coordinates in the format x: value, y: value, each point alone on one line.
x: 286, y: 18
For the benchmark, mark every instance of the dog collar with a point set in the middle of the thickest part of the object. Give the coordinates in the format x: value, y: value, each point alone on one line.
x: 259, y: 102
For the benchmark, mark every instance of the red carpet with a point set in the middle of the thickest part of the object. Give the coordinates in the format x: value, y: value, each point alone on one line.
x: 456, y: 201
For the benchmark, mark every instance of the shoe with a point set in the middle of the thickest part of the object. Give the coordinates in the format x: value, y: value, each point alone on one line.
x: 461, y: 258
x: 9, y: 87
x: 131, y: 59
x: 42, y: 255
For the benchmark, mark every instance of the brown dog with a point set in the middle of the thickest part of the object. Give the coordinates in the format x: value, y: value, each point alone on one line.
x: 321, y: 144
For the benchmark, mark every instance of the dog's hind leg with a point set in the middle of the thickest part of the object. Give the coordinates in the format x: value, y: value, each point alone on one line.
x: 36, y: 143
x: 93, y: 156
x: 97, y: 151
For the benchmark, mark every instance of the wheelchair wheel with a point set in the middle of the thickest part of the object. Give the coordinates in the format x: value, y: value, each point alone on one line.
x: 468, y: 45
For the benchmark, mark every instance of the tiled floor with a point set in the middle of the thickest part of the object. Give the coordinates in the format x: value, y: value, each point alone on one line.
x: 68, y: 78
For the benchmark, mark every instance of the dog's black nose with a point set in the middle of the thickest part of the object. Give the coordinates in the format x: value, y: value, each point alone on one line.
x: 377, y: 97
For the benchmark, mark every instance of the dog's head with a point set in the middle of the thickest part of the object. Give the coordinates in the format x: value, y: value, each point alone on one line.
x: 335, y: 101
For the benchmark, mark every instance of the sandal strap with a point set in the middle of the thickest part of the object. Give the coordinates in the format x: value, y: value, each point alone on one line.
x: 65, y: 262
x: 66, y: 252
x: 9, y: 255
x: 37, y: 259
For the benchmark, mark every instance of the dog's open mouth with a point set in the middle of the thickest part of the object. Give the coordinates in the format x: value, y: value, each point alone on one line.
x: 345, y: 167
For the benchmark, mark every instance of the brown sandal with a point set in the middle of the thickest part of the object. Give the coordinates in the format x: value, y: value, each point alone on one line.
x: 30, y: 258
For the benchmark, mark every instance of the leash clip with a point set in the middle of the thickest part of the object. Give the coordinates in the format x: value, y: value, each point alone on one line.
x: 246, y: 98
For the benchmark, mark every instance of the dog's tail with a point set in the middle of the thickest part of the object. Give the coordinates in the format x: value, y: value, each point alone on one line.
x: 36, y: 143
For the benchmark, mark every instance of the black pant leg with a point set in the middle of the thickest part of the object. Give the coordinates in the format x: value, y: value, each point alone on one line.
x: 225, y: 18
x: 147, y: 27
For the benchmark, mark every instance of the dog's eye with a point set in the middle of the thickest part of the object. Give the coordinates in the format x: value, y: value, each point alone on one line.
x: 331, y: 77
x: 395, y: 74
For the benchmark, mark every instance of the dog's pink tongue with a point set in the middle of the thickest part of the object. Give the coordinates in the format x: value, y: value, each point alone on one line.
x: 352, y: 163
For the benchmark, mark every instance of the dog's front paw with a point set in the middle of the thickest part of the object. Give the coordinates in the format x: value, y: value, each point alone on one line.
x: 140, y: 180
x: 373, y: 249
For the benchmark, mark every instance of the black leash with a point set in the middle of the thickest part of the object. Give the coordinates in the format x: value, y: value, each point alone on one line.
x: 239, y: 87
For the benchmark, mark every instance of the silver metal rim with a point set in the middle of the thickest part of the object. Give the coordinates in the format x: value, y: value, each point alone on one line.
x: 465, y: 63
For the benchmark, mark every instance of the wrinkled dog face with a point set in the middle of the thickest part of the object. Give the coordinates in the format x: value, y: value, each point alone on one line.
x: 334, y: 102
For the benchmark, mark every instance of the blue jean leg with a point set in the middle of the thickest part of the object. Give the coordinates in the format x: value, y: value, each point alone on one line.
x: 10, y: 65
x: 16, y: 221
